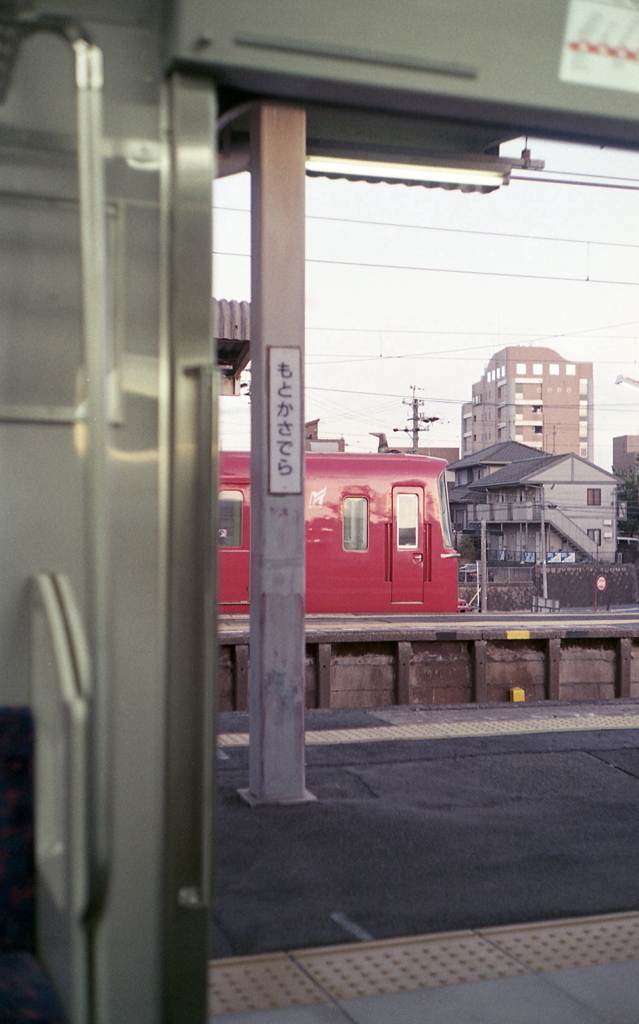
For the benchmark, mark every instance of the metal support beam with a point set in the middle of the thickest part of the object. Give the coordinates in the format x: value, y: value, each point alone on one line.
x: 624, y: 666
x: 404, y: 650
x: 480, y: 685
x: 241, y: 677
x: 324, y: 653
x: 276, y: 712
x: 553, y: 658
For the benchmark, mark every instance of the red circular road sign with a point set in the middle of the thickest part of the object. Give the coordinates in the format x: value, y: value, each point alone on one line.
x: 600, y: 583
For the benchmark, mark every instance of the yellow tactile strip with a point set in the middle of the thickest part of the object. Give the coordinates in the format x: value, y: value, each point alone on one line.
x: 560, y: 945
x: 265, y: 982
x: 277, y: 980
x: 448, y: 730
x: 404, y: 965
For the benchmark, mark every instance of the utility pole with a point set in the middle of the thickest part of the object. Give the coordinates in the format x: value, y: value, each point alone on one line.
x: 417, y: 420
x: 544, y: 553
x: 483, y: 583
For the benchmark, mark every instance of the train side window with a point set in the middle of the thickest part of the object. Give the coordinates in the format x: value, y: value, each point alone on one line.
x: 407, y: 511
x: 355, y: 524
x: 230, y: 519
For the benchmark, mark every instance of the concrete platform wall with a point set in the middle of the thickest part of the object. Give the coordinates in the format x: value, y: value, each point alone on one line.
x: 418, y: 672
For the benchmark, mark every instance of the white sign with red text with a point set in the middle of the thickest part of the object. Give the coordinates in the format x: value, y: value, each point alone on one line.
x: 601, y: 44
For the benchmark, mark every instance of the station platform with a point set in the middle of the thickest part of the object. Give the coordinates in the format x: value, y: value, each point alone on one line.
x: 579, y: 971
x: 367, y: 660
x: 469, y: 865
x: 572, y: 624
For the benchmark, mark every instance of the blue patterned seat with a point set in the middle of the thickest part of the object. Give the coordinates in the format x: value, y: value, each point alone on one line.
x: 25, y: 992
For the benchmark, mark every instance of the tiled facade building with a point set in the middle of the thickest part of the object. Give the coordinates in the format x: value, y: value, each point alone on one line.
x: 625, y: 452
x: 534, y: 396
x: 521, y: 492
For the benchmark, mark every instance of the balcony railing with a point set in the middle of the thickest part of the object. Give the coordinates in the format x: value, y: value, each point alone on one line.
x: 531, y: 512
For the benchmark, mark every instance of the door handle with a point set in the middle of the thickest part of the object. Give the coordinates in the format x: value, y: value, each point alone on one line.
x: 418, y: 558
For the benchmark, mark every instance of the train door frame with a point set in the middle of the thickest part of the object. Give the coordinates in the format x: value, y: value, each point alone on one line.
x: 234, y: 584
x: 188, y: 502
x: 408, y: 560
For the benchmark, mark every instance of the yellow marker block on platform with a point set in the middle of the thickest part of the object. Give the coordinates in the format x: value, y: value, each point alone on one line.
x: 517, y: 693
x: 517, y: 634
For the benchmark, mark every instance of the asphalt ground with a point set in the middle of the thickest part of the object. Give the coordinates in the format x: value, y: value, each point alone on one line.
x: 417, y: 836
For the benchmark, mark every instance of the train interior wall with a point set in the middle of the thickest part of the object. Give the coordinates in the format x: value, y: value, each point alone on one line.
x: 42, y: 460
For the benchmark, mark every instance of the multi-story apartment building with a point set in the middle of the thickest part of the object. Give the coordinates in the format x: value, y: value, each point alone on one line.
x: 534, y: 396
x: 625, y: 452
x: 524, y: 494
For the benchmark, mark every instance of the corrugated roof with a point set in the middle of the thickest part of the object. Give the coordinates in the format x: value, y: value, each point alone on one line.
x: 515, y: 472
x: 231, y: 320
x: 461, y: 494
x: 232, y: 330
x: 504, y: 452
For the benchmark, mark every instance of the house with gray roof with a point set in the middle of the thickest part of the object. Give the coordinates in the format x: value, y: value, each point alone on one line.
x: 521, y: 491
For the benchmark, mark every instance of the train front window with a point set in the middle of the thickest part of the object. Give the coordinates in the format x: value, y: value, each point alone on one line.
x: 355, y: 524
x: 444, y: 509
x: 230, y: 519
x: 407, y: 511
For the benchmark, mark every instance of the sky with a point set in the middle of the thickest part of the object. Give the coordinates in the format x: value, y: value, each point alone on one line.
x: 413, y: 287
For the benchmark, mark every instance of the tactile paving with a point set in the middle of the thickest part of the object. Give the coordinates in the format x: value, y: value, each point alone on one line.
x: 448, y: 730
x: 579, y: 942
x: 278, y: 980
x: 404, y: 965
x: 268, y: 981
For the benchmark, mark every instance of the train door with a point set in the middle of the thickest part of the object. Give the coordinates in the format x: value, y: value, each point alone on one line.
x: 407, y: 558
x: 233, y: 542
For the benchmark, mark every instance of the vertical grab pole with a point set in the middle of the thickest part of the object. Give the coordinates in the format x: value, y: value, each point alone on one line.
x: 189, y: 489
x: 88, y: 75
x: 277, y: 668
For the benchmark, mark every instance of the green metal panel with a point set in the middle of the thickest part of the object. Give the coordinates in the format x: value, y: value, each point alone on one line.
x: 496, y: 62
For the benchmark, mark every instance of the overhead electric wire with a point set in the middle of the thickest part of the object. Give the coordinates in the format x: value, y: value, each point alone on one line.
x: 577, y: 184
x: 448, y: 270
x: 584, y: 174
x: 481, y: 334
x: 455, y: 231
x: 464, y: 401
x: 338, y: 361
x: 380, y: 394
x: 450, y: 354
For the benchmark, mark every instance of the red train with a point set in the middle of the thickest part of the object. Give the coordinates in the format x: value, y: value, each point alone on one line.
x: 378, y: 535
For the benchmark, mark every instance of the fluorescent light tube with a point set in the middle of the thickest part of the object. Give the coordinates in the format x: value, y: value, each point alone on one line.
x: 416, y: 174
